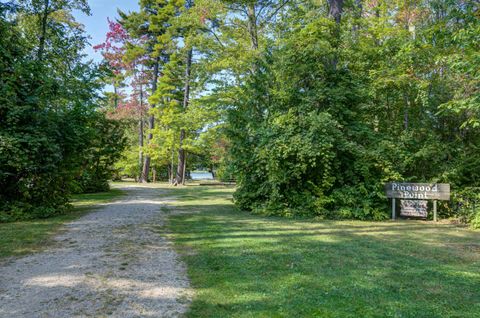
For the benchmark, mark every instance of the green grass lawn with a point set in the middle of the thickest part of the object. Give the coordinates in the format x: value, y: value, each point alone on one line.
x: 247, y: 266
x: 25, y: 237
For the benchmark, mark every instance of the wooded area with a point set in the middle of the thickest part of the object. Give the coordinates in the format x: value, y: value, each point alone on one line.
x: 54, y: 138
x: 311, y: 106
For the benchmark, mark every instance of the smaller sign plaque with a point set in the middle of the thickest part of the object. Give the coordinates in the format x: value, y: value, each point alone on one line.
x: 414, y: 208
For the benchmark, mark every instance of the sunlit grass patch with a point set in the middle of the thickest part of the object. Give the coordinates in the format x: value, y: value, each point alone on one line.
x: 247, y: 266
x: 88, y: 199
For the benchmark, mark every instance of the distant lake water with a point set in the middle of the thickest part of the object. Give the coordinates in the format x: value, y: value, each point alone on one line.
x: 201, y: 176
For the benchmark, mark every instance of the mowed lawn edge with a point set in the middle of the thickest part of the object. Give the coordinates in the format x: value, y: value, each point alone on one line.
x: 25, y: 237
x: 241, y: 265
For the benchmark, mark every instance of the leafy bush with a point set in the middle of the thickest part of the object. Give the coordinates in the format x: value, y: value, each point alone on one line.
x: 465, y: 204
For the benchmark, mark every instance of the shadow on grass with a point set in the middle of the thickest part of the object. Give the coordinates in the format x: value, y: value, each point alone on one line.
x: 250, y: 266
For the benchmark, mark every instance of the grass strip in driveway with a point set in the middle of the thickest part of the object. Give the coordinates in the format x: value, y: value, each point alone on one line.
x: 20, y: 238
x: 248, y: 266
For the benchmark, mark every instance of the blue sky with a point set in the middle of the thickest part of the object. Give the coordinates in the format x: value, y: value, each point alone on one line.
x: 96, y: 25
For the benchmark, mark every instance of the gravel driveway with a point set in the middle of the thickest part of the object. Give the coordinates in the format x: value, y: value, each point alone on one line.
x: 113, y: 262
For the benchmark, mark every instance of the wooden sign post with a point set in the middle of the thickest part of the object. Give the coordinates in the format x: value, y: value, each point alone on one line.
x: 414, y: 195
x: 393, y: 209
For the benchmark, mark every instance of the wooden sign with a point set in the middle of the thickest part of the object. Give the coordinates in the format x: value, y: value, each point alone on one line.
x: 414, y: 208
x: 418, y: 191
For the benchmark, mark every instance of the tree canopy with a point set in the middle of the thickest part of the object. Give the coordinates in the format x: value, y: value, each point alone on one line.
x: 311, y: 106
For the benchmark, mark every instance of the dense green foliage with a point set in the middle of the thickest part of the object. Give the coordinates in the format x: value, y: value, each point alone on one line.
x: 333, y: 111
x: 171, y: 126
x: 53, y: 141
x: 311, y: 106
x: 244, y: 265
x: 101, y: 154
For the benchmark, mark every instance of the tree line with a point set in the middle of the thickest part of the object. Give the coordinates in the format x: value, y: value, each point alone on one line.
x: 310, y: 105
x: 160, y: 76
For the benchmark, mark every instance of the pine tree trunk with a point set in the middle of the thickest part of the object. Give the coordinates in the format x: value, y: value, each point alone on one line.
x: 172, y: 168
x: 169, y: 173
x: 181, y: 159
x: 115, y: 95
x: 252, y: 26
x: 212, y: 170
x: 335, y: 10
x: 43, y: 34
x: 184, y: 166
x: 140, y: 135
x: 186, y: 99
x: 151, y: 123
